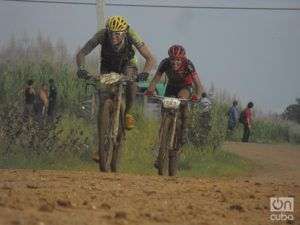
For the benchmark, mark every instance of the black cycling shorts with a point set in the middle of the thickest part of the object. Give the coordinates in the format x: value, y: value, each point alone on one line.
x: 172, y: 91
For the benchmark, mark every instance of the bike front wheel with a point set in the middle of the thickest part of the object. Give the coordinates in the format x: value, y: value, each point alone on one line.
x: 118, y: 146
x: 105, y: 145
x: 165, y: 138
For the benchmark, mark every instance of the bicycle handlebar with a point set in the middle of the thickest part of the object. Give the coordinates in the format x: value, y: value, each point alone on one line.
x: 92, y: 79
x: 181, y: 99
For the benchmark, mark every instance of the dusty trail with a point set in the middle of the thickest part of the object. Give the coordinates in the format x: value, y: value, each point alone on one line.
x: 276, y: 163
x: 63, y: 197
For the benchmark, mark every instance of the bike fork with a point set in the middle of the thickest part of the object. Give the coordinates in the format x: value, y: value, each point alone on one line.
x: 173, y: 131
x: 117, y: 114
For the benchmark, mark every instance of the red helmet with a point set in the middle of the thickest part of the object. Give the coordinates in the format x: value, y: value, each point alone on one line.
x: 176, y: 51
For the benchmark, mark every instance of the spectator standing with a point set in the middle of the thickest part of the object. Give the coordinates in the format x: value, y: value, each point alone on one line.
x: 233, y: 116
x: 52, y: 99
x: 29, y: 94
x: 42, y: 102
x: 247, y: 121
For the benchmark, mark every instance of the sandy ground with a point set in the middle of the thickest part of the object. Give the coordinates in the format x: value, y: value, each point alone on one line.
x: 64, y: 197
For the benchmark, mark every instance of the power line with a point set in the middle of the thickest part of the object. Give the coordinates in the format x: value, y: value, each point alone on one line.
x: 164, y: 6
x: 53, y: 2
x: 199, y: 7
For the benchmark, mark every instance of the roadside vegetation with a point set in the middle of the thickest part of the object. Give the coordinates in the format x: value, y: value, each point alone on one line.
x: 68, y: 142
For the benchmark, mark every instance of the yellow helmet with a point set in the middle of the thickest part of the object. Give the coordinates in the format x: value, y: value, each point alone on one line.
x: 116, y: 23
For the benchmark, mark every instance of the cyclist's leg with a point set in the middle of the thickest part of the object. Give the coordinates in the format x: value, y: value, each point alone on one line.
x: 130, y: 93
x: 186, y: 94
x: 131, y: 88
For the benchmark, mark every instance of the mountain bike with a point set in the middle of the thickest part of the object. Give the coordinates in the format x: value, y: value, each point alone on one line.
x: 111, y: 119
x: 170, y: 134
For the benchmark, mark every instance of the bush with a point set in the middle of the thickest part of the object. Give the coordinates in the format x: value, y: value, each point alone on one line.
x: 68, y: 134
x: 208, y: 129
x: 268, y: 130
x: 293, y: 132
x: 74, y: 135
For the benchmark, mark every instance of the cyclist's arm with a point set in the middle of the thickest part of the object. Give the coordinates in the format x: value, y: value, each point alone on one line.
x: 162, y: 68
x: 198, y: 86
x: 150, y: 60
x: 194, y: 77
x: 154, y: 81
x: 88, y: 47
x: 143, y: 50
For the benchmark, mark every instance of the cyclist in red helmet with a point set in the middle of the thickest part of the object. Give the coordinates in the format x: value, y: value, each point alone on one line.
x: 182, y: 76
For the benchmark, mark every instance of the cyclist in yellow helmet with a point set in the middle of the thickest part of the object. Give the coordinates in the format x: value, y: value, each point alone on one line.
x: 118, y: 55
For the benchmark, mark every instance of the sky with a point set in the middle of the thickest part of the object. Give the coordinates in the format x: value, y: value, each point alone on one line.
x: 254, y: 55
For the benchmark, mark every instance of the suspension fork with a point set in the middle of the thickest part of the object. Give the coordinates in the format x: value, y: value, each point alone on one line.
x: 173, y: 130
x: 117, y: 110
x: 160, y: 134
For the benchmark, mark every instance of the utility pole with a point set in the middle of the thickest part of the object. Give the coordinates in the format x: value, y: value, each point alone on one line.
x: 100, y: 9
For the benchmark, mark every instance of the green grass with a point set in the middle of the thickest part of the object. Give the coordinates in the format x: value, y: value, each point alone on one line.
x: 45, y: 162
x: 137, y: 156
x: 192, y: 164
x: 213, y: 163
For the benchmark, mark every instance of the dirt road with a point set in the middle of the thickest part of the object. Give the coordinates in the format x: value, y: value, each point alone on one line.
x: 61, y: 198
x: 276, y: 163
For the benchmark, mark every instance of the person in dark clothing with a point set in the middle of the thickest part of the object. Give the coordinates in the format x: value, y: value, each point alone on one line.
x: 247, y: 118
x: 118, y: 42
x: 233, y: 116
x: 52, y: 99
x: 29, y: 94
